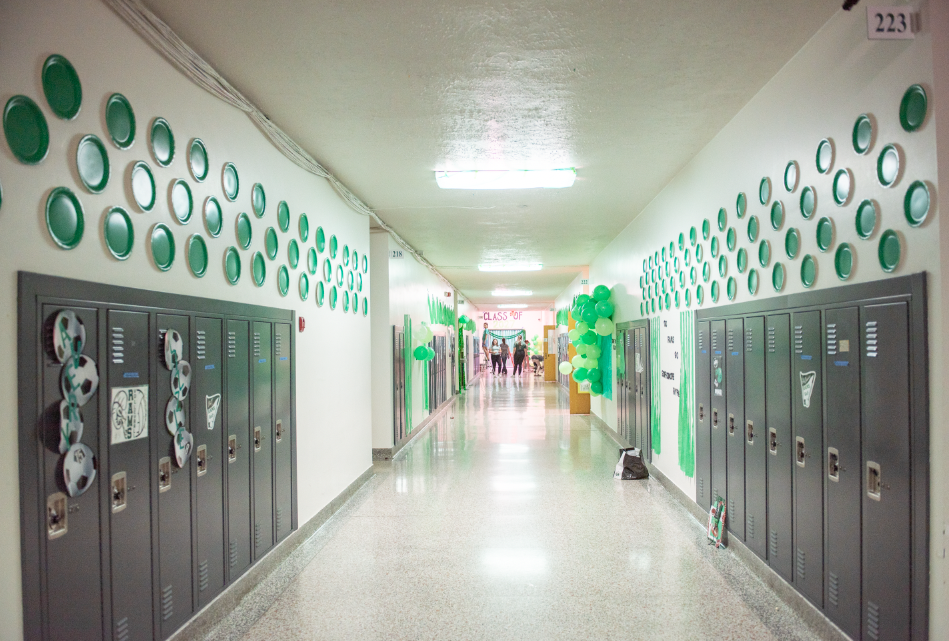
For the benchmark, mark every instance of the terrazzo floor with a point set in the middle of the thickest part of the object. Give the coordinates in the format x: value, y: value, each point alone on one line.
x: 503, y: 521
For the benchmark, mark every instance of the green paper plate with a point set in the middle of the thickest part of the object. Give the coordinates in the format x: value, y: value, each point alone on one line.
x: 92, y: 163
x: 163, y: 247
x: 359, y: 282
x: 687, y: 258
x: 304, y: 228
x: 293, y: 253
x: 182, y: 202
x: 764, y: 253
x: 706, y: 229
x: 675, y: 298
x: 764, y: 191
x: 118, y: 232
x: 355, y: 303
x: 333, y: 297
x: 232, y: 265
x: 825, y: 156
x: 304, y: 286
x: 642, y: 309
x: 688, y: 298
x: 258, y: 267
x: 327, y: 270
x: 706, y: 272
x: 843, y: 261
x: 777, y: 277
x: 681, y: 241
x: 742, y: 260
x: 866, y: 219
x: 790, y: 176
x: 345, y: 301
x: 731, y: 239
x: 356, y: 260
x: 753, y: 229
x: 245, y: 232
x: 64, y: 218
x: 672, y: 249
x: 731, y: 289
x: 888, y: 166
x: 913, y: 108
x: 808, y: 202
x: 320, y: 240
x: 663, y: 254
x: 333, y: 247
x: 283, y: 216
x: 693, y: 275
x: 346, y: 255
x: 741, y: 204
x: 143, y: 186
x: 889, y: 251
x: 350, y: 281
x: 843, y: 185
x: 916, y: 203
x: 258, y: 200
x: 693, y: 236
x: 722, y: 219
x: 213, y: 216
x: 862, y: 134
x: 777, y: 215
x: 270, y: 243
x: 62, y: 87
x: 230, y: 181
x: 699, y: 253
x: 715, y: 291
x: 650, y: 262
x: 792, y: 243
x: 675, y: 264
x: 713, y: 247
x: 339, y: 275
x: 312, y: 261
x: 26, y: 130
x: 198, y: 160
x: 283, y: 280
x: 197, y: 255
x: 667, y: 299
x: 120, y: 121
x: 753, y: 282
x: 722, y: 266
x: 825, y: 234
x: 699, y: 295
x: 319, y: 293
x: 808, y: 271
x: 163, y: 142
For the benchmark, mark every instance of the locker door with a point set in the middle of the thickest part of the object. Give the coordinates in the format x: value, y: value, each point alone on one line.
x: 735, y: 425
x: 806, y: 415
x: 130, y: 396
x: 283, y: 452
x: 621, y: 387
x: 72, y: 527
x: 842, y: 467
x: 719, y: 383
x: 262, y: 438
x: 703, y: 433
x: 175, y: 561
x: 645, y: 395
x: 207, y: 428
x: 756, y: 440
x: 635, y: 428
x: 780, y: 447
x: 886, y: 472
x: 237, y: 401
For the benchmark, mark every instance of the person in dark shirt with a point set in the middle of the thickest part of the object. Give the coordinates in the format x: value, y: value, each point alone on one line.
x: 520, y: 352
x: 505, y: 352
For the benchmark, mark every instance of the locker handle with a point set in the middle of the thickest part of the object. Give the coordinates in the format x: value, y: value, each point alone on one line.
x: 231, y: 448
x: 57, y: 516
x: 874, y: 483
x: 279, y: 430
x: 714, y: 417
x: 772, y: 440
x: 119, y: 494
x: 164, y: 474
x: 701, y: 411
x: 202, y: 457
x: 257, y: 438
x: 801, y: 451
x: 731, y: 424
x: 833, y: 464
x: 750, y: 431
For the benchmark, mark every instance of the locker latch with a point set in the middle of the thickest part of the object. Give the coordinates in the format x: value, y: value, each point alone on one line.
x: 118, y: 492
x: 801, y: 452
x: 202, y: 457
x: 279, y: 430
x: 714, y: 417
x: 874, y: 483
x: 231, y: 448
x: 833, y: 464
x: 701, y: 411
x: 772, y: 440
x: 164, y: 474
x: 731, y: 424
x: 750, y: 431
x: 56, y: 515
x: 256, y: 439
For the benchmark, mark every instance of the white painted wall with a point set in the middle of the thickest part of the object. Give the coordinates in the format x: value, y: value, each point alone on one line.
x: 333, y: 392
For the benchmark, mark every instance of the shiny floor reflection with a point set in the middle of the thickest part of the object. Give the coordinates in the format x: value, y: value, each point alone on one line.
x: 504, y: 522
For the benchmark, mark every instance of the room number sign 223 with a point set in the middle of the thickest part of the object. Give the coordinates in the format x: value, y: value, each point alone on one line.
x: 891, y: 23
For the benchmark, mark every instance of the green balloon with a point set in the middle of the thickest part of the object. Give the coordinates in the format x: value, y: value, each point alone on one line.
x: 573, y: 334
x: 576, y: 313
x: 593, y: 375
x: 421, y: 353
x: 591, y: 363
x: 604, y: 327
x: 596, y: 388
x: 589, y: 338
x: 604, y: 309
x: 601, y: 292
x: 582, y: 349
x: 594, y: 351
x: 582, y: 299
x: 431, y: 353
x: 577, y: 361
x: 565, y: 368
x: 580, y: 374
x: 589, y: 315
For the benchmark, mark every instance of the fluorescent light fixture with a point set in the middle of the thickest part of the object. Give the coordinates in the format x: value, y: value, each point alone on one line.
x: 507, y: 179
x: 511, y: 292
x: 510, y: 267
x: 512, y: 305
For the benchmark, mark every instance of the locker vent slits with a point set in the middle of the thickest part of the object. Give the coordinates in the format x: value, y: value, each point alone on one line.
x: 873, y: 620
x: 232, y: 344
x: 798, y: 339
x: 833, y: 589
x: 831, y: 339
x: 751, y: 526
x: 771, y: 340
x: 256, y: 536
x: 278, y: 343
x: 279, y: 519
x: 701, y: 487
x: 118, y: 345
x: 872, y: 339
x: 749, y: 340
x: 731, y: 340
x: 701, y: 340
x: 773, y: 545
x: 714, y: 340
x: 801, y: 568
x: 203, y: 578
x: 122, y: 629
x: 232, y: 554
x: 201, y: 345
x: 167, y: 603
x: 257, y: 344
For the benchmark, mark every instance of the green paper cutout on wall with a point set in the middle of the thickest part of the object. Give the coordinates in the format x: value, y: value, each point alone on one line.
x: 681, y: 241
x: 722, y: 219
x: 304, y: 227
x: 808, y: 271
x: 731, y: 288
x: 888, y: 165
x: 753, y: 282
x: 764, y: 253
x: 197, y: 255
x: 232, y: 265
x: 866, y: 219
x: 320, y: 240
x: 304, y: 286
x: 714, y: 291
x: 293, y: 253
x: 808, y: 202
x: 742, y: 260
x: 118, y: 232
x: 163, y: 142
x: 26, y: 130
x: 777, y: 277
x: 714, y: 247
x: 334, y: 245
x: 312, y: 261
x: 327, y: 270
x: 731, y: 239
x: 741, y: 204
x: 699, y: 295
x: 346, y: 255
x: 722, y: 266
x: 333, y: 297
x: 777, y: 215
x: 92, y: 164
x: 791, y: 176
x: 163, y: 247
x: 792, y: 243
x: 64, y: 218
x: 764, y: 191
x: 706, y: 229
x: 693, y: 238
x: 319, y: 293
x: 753, y: 229
x: 843, y: 186
x: 61, y: 87
x: 825, y: 234
x: 120, y: 121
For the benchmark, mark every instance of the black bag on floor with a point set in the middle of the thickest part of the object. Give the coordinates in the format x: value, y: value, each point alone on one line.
x: 631, y: 465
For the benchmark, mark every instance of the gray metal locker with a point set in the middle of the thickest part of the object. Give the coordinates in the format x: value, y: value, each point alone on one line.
x: 807, y: 426
x: 622, y: 387
x: 262, y: 437
x: 756, y: 439
x: 703, y: 433
x: 283, y: 453
x: 735, y: 425
x: 780, y: 447
x: 172, y: 526
x: 719, y: 414
x: 237, y: 404
x: 887, y: 552
x: 208, y: 429
x: 842, y: 486
x: 130, y: 473
x: 639, y: 426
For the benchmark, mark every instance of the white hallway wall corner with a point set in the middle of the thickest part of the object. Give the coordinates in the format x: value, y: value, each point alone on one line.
x: 334, y: 400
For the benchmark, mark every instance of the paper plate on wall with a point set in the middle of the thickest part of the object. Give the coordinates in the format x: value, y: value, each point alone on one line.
x: 662, y: 253
x: 688, y: 298
x: 346, y: 255
x: 339, y: 276
x: 230, y: 181
x: 693, y: 236
x: 687, y: 258
x: 304, y: 228
x: 365, y: 264
x: 777, y: 277
x: 722, y: 219
x: 118, y: 232
x: 120, y: 121
x: 753, y: 282
x: 270, y: 243
x: 163, y: 142
x: 808, y: 271
x: 713, y: 247
x: 681, y: 243
x: 356, y: 260
x: 843, y: 261
x: 824, y: 158
x: 741, y: 204
x: 706, y: 229
x: 699, y: 295
x: 693, y: 275
x: 245, y: 232
x: 825, y: 234
x: 70, y: 425
x: 792, y: 243
x: 312, y: 261
x: 175, y: 416
x: 889, y: 251
x: 916, y: 203
x: 866, y: 219
x: 706, y: 272
x: 676, y: 298
x: 293, y: 253
x: 232, y: 265
x: 350, y: 281
x: 182, y: 202
x: 742, y: 260
x: 92, y: 163
x: 808, y: 202
x: 753, y: 229
x: 258, y: 267
x: 715, y: 292
x: 283, y: 216
x: 26, y: 130
x: 722, y: 266
x: 142, y: 184
x: 333, y: 297
x: 731, y: 239
x: 79, y: 379
x: 283, y: 280
x: 764, y: 253
x: 213, y: 216
x: 320, y: 240
x: 777, y: 215
x: 913, y: 108
x: 345, y: 301
x: 888, y: 166
x: 843, y: 187
x: 62, y: 87
x: 327, y: 270
x: 163, y: 247
x: 334, y: 245
x: 790, y: 176
x: 731, y: 288
x: 198, y: 160
x: 304, y: 286
x: 258, y: 200
x: 764, y: 191
x: 318, y: 293
x: 862, y: 134
x: 197, y: 255
x: 64, y: 218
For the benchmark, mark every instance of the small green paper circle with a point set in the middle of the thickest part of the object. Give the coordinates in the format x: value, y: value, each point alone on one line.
x: 293, y: 253
x: 753, y: 282
x: 283, y: 280
x: 345, y: 301
x: 742, y: 260
x: 198, y: 160
x: 825, y: 234
x: 350, y: 281
x: 722, y: 266
x: 197, y: 255
x: 681, y: 242
x: 339, y: 275
x: 320, y: 240
x: 731, y: 289
x: 913, y: 108
x: 304, y: 286
x: 706, y: 272
x: 26, y: 130
x: 230, y: 181
x: 232, y: 265
x: 163, y: 142
x: 213, y: 216
x: 731, y: 239
x: 258, y: 199
x: 714, y: 247
x: 304, y: 228
x: 722, y: 219
x: 327, y: 270
x: 333, y: 297
x: 792, y: 243
x: 699, y: 253
x: 143, y: 186
x: 753, y: 229
x: 118, y: 232
x: 688, y: 298
x: 715, y: 291
x: 706, y: 229
x: 283, y: 216
x: 808, y: 271
x: 346, y: 255
x: 808, y: 202
x: 64, y: 218
x: 270, y: 242
x: 693, y: 236
x: 258, y: 269
x: 777, y: 215
x: 843, y: 185
x: 764, y: 191
x: 790, y: 176
x: 319, y: 294
x: 777, y: 277
x: 163, y: 247
x: 843, y: 261
x: 687, y: 258
x: 334, y: 245
x: 61, y: 87
x: 889, y: 251
x: 866, y: 219
x: 699, y: 295
x: 120, y: 121
x: 312, y: 260
x: 245, y: 231
x: 916, y: 203
x: 741, y: 204
x: 92, y: 164
x: 182, y: 202
x: 825, y: 156
x: 888, y: 166
x: 359, y: 282
x: 663, y: 254
x: 693, y: 275
x: 764, y: 253
x: 862, y: 134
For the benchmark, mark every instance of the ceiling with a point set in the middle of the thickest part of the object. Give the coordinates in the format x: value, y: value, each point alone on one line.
x: 384, y: 93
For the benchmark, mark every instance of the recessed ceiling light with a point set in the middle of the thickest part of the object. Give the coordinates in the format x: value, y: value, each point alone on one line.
x: 507, y: 179
x: 510, y: 267
x: 512, y: 305
x: 511, y: 292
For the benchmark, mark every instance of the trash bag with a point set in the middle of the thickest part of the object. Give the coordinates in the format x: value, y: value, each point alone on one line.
x: 716, y: 522
x: 631, y: 465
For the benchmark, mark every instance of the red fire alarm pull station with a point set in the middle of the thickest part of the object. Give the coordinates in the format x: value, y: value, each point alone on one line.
x: 302, y: 323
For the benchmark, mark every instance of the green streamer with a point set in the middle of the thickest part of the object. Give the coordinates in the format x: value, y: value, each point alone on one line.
x: 654, y: 400
x: 686, y: 394
x: 462, y: 362
x: 605, y: 363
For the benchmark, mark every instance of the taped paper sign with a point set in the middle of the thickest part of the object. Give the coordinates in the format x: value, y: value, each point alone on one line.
x: 129, y: 413
x: 212, y: 402
x: 807, y: 387
x: 639, y: 363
